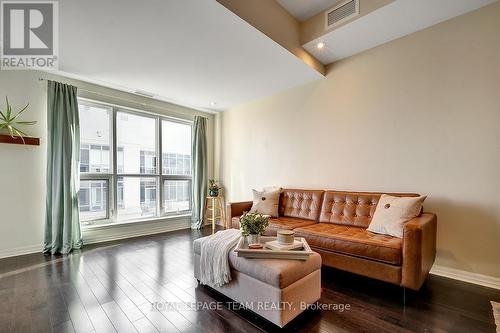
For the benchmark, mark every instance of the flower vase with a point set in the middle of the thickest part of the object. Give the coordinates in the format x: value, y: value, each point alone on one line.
x: 253, y: 239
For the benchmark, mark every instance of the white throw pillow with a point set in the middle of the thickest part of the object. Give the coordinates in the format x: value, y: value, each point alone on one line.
x: 266, y: 203
x: 393, y: 212
x: 272, y: 189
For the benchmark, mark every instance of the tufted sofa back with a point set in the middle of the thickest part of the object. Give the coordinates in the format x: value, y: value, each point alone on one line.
x: 304, y: 204
x: 352, y: 208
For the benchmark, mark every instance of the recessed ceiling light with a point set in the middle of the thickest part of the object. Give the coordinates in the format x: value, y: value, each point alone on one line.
x: 320, y: 45
x: 213, y: 103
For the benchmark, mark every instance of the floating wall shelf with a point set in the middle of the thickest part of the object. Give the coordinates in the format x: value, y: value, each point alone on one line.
x: 17, y: 140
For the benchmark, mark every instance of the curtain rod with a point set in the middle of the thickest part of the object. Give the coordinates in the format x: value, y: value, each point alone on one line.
x: 124, y: 99
x: 42, y: 79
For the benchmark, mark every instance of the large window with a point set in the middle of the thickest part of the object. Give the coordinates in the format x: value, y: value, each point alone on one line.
x: 122, y: 175
x: 176, y: 167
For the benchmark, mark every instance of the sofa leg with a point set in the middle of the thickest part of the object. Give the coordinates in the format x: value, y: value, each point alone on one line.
x: 404, y: 296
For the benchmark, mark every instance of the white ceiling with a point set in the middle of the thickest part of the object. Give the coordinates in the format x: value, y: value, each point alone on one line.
x: 188, y: 52
x: 387, y: 23
x: 305, y: 9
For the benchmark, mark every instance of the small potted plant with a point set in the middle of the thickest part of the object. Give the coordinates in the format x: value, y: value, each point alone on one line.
x: 213, y: 188
x: 252, y: 225
x: 9, y: 122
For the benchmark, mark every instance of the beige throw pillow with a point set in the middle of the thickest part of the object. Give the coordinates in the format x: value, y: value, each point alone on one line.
x: 393, y: 212
x: 266, y: 203
x: 272, y: 189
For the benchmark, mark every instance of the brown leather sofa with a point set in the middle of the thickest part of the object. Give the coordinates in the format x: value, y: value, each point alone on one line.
x: 334, y: 224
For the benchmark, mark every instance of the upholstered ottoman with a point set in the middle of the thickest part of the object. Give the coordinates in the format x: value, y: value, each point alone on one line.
x: 278, y: 290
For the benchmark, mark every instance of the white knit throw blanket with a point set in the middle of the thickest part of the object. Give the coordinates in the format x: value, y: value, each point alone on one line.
x: 214, y: 262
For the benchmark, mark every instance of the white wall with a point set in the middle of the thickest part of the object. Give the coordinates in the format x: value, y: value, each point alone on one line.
x: 420, y: 114
x: 22, y: 168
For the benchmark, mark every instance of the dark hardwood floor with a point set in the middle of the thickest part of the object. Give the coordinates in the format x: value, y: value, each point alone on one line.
x: 110, y: 287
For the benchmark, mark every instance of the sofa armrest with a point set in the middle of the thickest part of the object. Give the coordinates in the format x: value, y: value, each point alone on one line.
x: 419, y: 249
x: 236, y: 209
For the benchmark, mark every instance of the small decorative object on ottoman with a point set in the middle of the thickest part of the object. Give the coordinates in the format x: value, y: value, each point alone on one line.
x: 276, y: 289
x: 285, y: 237
x: 252, y: 225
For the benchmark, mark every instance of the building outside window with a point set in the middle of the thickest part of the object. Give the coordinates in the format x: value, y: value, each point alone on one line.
x: 176, y: 164
x: 94, y: 158
x: 119, y: 169
x: 119, y: 194
x: 148, y: 161
x: 148, y: 196
x: 93, y: 199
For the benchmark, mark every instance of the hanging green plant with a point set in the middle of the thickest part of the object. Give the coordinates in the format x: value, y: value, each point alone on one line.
x: 8, y: 121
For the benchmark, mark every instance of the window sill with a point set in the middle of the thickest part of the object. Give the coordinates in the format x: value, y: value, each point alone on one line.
x: 111, y: 225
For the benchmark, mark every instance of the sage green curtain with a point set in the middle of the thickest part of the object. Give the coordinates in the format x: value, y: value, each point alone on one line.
x: 62, y: 222
x: 200, y: 167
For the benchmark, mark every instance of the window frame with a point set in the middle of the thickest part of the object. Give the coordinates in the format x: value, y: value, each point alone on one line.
x: 112, y: 176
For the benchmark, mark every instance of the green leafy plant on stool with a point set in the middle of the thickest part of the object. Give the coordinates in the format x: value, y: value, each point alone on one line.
x: 213, y: 188
x: 252, y: 223
x: 9, y: 122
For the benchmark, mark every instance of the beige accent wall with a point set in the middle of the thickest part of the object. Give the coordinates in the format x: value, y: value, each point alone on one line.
x: 419, y: 114
x: 316, y: 25
x: 275, y: 22
x: 23, y: 168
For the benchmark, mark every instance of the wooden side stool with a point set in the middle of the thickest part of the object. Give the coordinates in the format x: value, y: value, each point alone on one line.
x: 214, y: 209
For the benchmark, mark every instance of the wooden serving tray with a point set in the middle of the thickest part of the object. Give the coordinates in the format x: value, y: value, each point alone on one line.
x: 242, y: 250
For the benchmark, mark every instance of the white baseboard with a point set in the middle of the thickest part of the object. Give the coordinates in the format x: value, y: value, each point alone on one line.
x: 19, y: 251
x: 475, y: 278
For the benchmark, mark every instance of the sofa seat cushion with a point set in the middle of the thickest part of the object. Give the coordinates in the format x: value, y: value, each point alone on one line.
x: 353, y: 241
x: 276, y: 224
x: 288, y: 223
x: 276, y: 272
